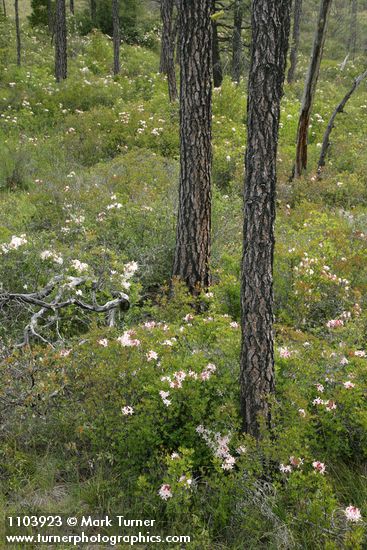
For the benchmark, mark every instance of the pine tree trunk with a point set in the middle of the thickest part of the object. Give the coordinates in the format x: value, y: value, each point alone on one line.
x: 353, y: 29
x: 116, y: 35
x: 192, y: 254
x: 17, y: 28
x: 167, y: 62
x: 72, y: 10
x: 60, y: 41
x: 4, y: 8
x: 237, y: 42
x: 310, y: 88
x: 270, y: 33
x: 297, y: 13
x: 93, y: 11
x: 50, y: 18
x: 217, y: 64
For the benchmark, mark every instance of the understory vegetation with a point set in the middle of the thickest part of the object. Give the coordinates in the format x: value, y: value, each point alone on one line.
x: 101, y: 419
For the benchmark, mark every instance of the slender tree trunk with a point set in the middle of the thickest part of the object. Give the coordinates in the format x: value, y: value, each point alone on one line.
x: 167, y: 61
x: 237, y: 41
x: 270, y: 33
x: 50, y: 18
x: 330, y: 126
x: 217, y: 64
x: 60, y: 41
x: 297, y: 13
x: 310, y: 88
x: 4, y: 8
x: 72, y: 10
x: 116, y: 35
x: 353, y: 29
x: 93, y: 11
x: 17, y: 28
x: 192, y: 253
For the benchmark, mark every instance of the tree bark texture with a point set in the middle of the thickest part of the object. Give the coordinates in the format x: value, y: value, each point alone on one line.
x: 71, y: 5
x: 192, y: 253
x: 116, y: 36
x: 270, y: 34
x: 237, y: 41
x: 167, y: 60
x: 217, y: 64
x: 297, y: 14
x: 310, y: 88
x: 330, y: 126
x: 4, y: 8
x: 17, y: 29
x: 60, y: 41
x: 352, y: 42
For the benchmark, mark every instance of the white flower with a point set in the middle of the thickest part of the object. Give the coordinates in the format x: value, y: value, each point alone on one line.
x: 165, y: 492
x: 319, y: 467
x: 15, y: 243
x: 285, y: 469
x: 79, y: 266
x: 103, y: 342
x: 302, y: 412
x: 348, y: 385
x: 152, y: 355
x: 127, y: 410
x: 353, y: 514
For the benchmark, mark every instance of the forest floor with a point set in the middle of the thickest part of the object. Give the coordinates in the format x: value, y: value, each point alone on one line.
x: 100, y: 420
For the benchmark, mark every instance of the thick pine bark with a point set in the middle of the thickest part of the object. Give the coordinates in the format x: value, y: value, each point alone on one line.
x: 330, y: 126
x: 297, y: 14
x: 217, y: 64
x: 310, y: 88
x: 237, y: 41
x: 17, y: 29
x: 116, y: 36
x: 60, y: 41
x: 270, y: 32
x: 191, y: 262
x: 167, y: 61
x: 353, y: 29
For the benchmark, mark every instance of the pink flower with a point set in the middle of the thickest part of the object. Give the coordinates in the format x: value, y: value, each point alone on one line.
x: 320, y: 388
x: 165, y: 492
x: 234, y: 324
x: 127, y: 410
x: 285, y: 469
x: 126, y: 341
x: 164, y: 395
x: 353, y: 514
x: 348, y: 385
x: 229, y: 463
x: 149, y: 324
x: 284, y: 353
x: 330, y: 405
x: 189, y: 317
x: 318, y: 401
x: 65, y: 352
x: 296, y: 462
x: 335, y: 323
x: 319, y: 467
x: 360, y: 353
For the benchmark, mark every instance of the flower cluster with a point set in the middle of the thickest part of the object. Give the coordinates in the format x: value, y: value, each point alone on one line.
x: 15, y: 243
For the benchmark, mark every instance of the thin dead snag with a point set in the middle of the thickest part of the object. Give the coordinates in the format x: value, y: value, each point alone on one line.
x: 58, y: 302
x: 310, y: 88
x: 330, y: 126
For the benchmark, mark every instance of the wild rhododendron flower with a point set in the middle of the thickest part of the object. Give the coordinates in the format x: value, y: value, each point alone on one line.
x: 302, y: 412
x: 15, y: 243
x: 285, y: 353
x: 103, y: 342
x: 165, y: 492
x: 127, y: 410
x: 285, y: 469
x: 152, y: 356
x: 320, y: 388
x: 65, y: 352
x: 353, y: 514
x: 348, y: 385
x: 360, y: 353
x: 335, y: 323
x: 164, y: 395
x: 319, y: 467
x: 330, y: 405
x: 126, y: 340
x: 79, y: 266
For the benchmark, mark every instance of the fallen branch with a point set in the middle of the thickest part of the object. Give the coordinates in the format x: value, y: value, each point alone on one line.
x: 120, y: 302
x: 330, y: 126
